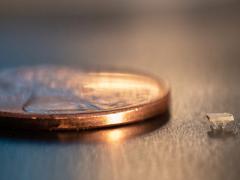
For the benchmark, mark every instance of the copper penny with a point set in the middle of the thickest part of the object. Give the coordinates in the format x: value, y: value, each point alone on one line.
x: 61, y: 98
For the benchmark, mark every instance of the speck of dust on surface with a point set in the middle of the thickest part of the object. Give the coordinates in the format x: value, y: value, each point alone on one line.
x: 221, y: 125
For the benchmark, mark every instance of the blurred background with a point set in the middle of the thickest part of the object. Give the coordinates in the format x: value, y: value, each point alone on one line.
x: 150, y: 35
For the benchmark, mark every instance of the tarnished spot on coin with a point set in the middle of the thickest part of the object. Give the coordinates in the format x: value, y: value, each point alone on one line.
x: 64, y: 98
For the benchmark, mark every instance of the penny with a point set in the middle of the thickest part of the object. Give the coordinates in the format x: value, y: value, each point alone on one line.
x: 61, y: 98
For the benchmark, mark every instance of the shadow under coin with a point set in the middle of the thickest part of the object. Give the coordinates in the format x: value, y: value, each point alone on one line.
x: 106, y: 135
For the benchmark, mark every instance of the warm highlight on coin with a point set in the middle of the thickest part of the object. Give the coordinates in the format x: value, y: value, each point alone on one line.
x: 60, y: 98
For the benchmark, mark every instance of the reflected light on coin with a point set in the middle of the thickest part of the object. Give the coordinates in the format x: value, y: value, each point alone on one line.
x: 115, y: 118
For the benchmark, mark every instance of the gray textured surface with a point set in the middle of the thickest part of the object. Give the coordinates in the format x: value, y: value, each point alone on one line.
x: 199, y: 54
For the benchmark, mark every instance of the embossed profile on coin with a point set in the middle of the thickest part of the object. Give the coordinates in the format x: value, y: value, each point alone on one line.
x: 65, y: 98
